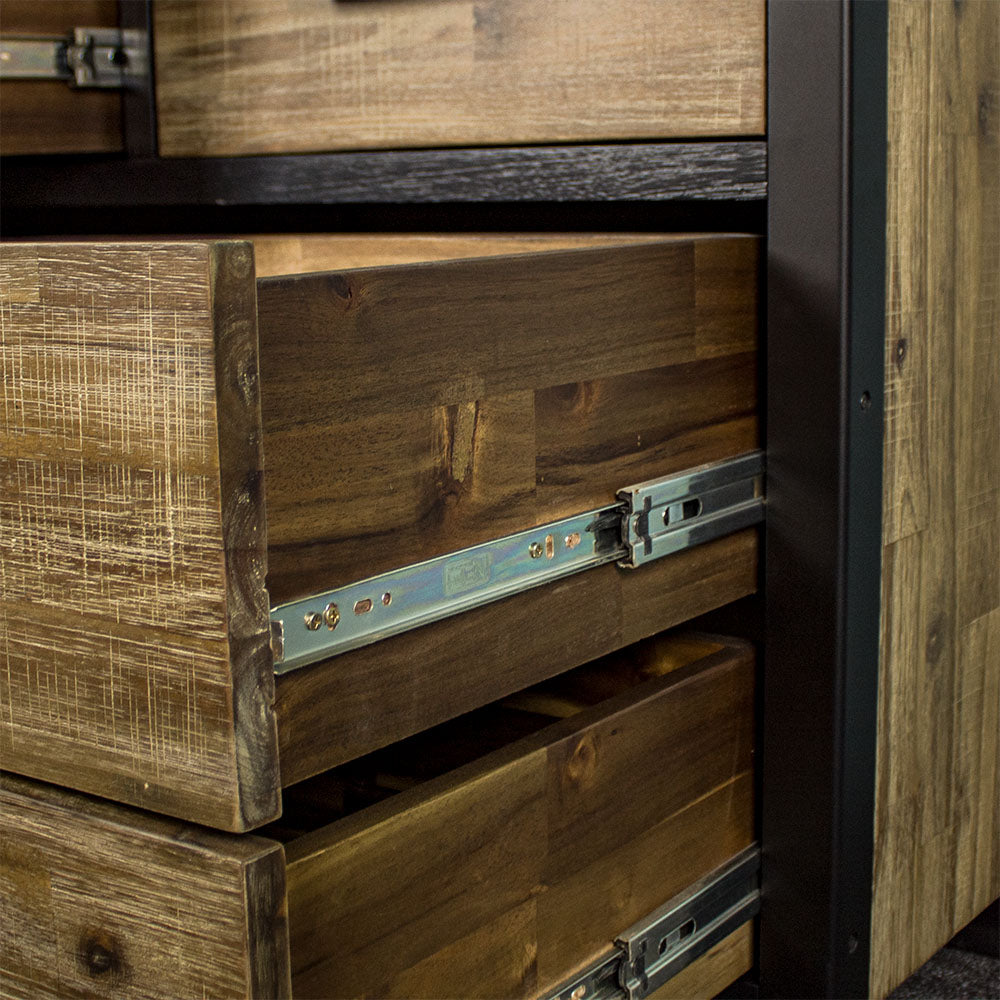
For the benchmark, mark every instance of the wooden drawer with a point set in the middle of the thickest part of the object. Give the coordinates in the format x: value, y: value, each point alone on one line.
x: 260, y: 76
x: 401, y: 412
x: 422, y: 870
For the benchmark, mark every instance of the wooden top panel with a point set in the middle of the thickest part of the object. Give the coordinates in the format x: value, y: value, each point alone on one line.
x: 101, y: 901
x: 259, y: 76
x: 134, y: 617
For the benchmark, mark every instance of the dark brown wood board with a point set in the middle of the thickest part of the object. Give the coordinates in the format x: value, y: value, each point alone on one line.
x: 410, y: 411
x: 134, y: 617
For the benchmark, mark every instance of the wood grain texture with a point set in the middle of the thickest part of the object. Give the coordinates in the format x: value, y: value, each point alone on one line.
x: 718, y: 968
x: 103, y: 901
x: 367, y: 918
x: 41, y: 116
x: 134, y: 619
x: 367, y: 698
x: 342, y: 76
x: 937, y: 860
x: 414, y: 410
x: 672, y: 172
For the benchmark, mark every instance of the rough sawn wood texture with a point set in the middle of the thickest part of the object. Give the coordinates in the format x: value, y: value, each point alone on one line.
x: 259, y: 76
x: 937, y: 845
x: 133, y: 627
x: 101, y: 901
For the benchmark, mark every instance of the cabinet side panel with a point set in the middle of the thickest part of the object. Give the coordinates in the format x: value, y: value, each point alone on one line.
x: 937, y: 808
x: 114, y: 627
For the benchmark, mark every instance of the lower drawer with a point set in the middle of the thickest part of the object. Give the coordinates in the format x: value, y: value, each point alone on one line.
x: 426, y: 869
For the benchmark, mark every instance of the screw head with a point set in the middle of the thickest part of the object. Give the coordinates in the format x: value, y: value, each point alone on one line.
x: 535, y: 550
x: 313, y: 620
x: 331, y: 615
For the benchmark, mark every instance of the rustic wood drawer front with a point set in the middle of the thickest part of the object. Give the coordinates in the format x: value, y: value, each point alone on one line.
x: 402, y: 412
x: 609, y: 792
x: 260, y: 76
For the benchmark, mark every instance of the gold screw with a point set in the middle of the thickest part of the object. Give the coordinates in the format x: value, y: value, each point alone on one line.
x: 331, y: 615
x: 313, y: 620
x: 535, y: 550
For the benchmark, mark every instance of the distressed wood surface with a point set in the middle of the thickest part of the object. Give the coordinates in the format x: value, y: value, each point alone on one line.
x: 937, y: 848
x: 718, y: 968
x: 633, y: 172
x: 134, y: 619
x: 414, y: 410
x: 522, y: 865
x: 43, y: 116
x: 342, y: 76
x: 367, y: 698
x: 102, y: 901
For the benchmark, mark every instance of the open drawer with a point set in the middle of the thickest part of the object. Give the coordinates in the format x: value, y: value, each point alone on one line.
x: 160, y: 498
x: 427, y: 869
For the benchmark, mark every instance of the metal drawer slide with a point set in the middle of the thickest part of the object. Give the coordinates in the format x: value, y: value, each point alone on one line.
x: 652, y: 520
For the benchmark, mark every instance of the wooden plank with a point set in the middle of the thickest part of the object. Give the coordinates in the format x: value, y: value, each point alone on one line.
x: 939, y: 707
x: 101, y: 901
x: 718, y: 968
x: 301, y: 253
x: 486, y: 853
x: 341, y: 76
x: 41, y: 116
x: 134, y: 621
x: 578, y: 374
x: 634, y: 172
x: 367, y: 698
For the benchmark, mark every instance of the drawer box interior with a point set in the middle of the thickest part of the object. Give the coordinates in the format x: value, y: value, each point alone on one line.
x: 186, y: 447
x: 494, y: 855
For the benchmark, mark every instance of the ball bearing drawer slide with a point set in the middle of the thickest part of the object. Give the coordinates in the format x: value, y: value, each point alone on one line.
x: 651, y: 520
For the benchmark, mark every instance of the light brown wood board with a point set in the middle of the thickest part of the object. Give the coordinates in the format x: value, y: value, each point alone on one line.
x: 414, y: 410
x: 259, y: 76
x: 528, y: 862
x: 102, y: 901
x: 718, y: 968
x: 133, y: 625
x: 41, y: 116
x: 937, y: 842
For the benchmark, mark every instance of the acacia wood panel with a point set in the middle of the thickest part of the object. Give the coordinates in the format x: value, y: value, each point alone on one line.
x: 41, y: 116
x: 937, y: 860
x: 343, y: 75
x: 487, y: 857
x: 367, y: 698
x: 102, y: 901
x: 414, y: 410
x: 134, y: 618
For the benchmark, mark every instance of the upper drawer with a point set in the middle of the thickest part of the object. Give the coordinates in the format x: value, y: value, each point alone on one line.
x: 284, y: 76
x: 154, y: 489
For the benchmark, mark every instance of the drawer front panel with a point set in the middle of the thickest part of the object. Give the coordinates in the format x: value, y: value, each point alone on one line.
x: 101, y: 901
x: 546, y: 849
x: 134, y: 618
x: 259, y: 76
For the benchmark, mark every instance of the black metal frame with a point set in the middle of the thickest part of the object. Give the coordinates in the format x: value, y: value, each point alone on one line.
x: 826, y: 305
x: 825, y: 182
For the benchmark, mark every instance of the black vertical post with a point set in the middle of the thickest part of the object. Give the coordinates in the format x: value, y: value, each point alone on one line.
x: 139, y: 99
x: 827, y: 91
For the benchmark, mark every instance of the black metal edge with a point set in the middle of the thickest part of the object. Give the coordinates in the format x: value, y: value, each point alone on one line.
x: 654, y: 171
x: 139, y: 99
x: 825, y: 286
